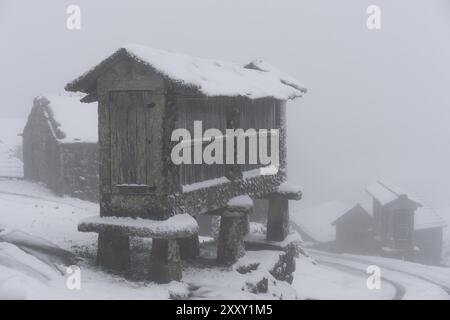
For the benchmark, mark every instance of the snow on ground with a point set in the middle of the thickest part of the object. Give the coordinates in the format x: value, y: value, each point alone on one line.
x: 327, y: 282
x: 417, y: 281
x: 33, y: 221
x: 33, y: 209
x: 10, y: 145
x: 39, y: 214
x: 10, y: 165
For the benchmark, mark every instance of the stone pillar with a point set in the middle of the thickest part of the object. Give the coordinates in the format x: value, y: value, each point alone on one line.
x: 189, y: 247
x: 165, y: 262
x: 277, y: 218
x: 113, y: 251
x: 230, y: 245
x: 245, y: 224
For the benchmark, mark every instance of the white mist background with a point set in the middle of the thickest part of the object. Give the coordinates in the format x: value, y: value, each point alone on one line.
x: 378, y: 101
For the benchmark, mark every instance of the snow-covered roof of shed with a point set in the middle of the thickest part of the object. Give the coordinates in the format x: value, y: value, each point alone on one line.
x: 211, y: 77
x: 444, y: 213
x: 426, y: 218
x: 385, y: 193
x: 366, y: 204
x: 357, y: 208
x: 316, y: 222
x: 75, y: 122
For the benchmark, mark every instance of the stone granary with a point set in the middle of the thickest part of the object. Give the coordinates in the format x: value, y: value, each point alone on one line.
x: 143, y: 96
x: 60, y: 145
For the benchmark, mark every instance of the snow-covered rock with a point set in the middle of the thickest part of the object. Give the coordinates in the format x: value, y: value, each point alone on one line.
x: 178, y: 226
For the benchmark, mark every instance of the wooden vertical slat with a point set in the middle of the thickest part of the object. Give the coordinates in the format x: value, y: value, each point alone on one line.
x: 130, y: 153
x: 131, y: 166
x: 143, y: 145
x: 115, y: 154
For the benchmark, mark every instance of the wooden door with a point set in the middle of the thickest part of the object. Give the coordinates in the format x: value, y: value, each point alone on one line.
x: 130, y: 141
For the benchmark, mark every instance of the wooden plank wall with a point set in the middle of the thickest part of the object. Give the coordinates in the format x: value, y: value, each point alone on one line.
x: 213, y: 112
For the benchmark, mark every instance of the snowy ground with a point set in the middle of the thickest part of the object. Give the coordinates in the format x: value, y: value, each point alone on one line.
x: 334, y: 282
x: 410, y: 280
x: 29, y: 212
x: 10, y: 147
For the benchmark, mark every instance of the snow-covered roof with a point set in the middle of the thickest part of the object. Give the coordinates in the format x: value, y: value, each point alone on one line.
x: 366, y: 204
x: 316, y: 221
x: 445, y: 214
x: 424, y: 216
x: 211, y: 77
x: 74, y: 121
x: 385, y: 193
x: 357, y: 209
x: 427, y: 218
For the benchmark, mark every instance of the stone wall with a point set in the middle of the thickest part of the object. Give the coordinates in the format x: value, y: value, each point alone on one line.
x: 80, y: 170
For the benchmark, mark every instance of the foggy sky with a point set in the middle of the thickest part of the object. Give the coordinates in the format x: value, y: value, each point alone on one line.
x: 378, y: 101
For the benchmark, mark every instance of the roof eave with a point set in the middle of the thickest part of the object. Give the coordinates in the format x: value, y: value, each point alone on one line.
x: 87, y: 83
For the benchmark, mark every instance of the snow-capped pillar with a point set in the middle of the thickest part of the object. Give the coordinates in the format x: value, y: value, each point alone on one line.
x: 277, y: 218
x: 165, y: 261
x: 278, y: 211
x: 113, y: 250
x: 234, y: 226
x: 230, y: 245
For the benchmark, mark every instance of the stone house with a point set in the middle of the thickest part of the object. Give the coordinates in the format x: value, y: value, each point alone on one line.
x: 60, y: 146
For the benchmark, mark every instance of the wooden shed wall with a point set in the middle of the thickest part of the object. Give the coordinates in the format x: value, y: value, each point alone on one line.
x: 429, y: 242
x: 127, y: 77
x: 223, y: 113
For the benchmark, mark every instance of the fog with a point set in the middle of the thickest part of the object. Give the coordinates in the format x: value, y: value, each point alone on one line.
x: 378, y: 101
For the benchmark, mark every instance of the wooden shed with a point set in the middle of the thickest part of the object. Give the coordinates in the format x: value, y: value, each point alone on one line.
x: 60, y: 146
x: 393, y: 215
x: 145, y: 94
x: 354, y: 233
x: 428, y: 235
